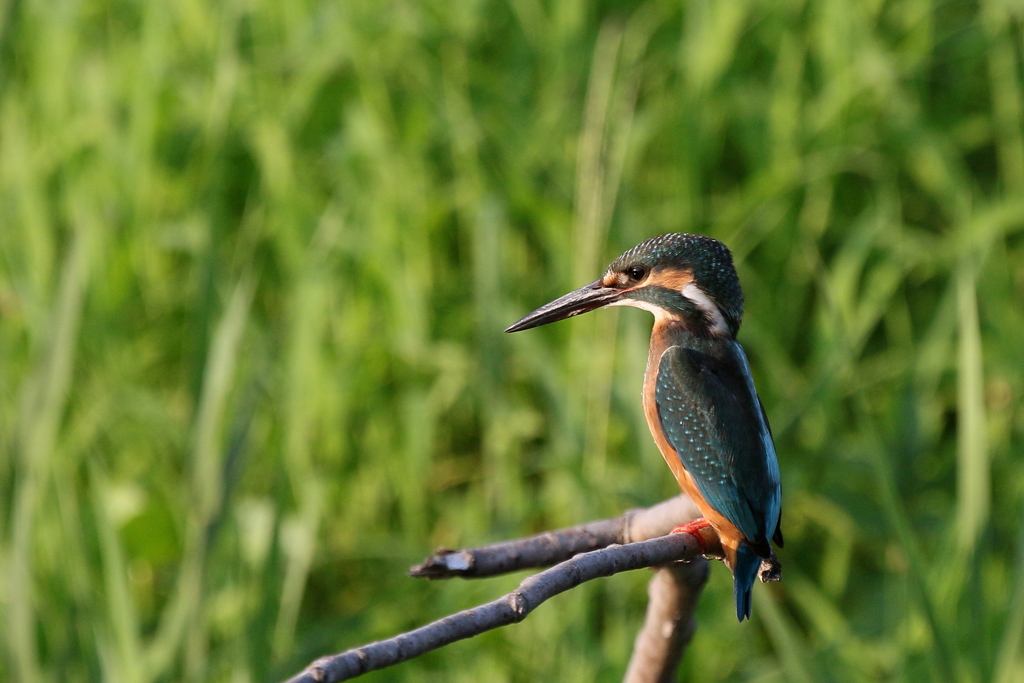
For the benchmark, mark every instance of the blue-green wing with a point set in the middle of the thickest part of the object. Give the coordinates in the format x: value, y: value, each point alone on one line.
x: 712, y: 417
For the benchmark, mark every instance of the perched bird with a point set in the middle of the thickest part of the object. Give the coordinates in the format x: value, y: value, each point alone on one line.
x: 698, y: 396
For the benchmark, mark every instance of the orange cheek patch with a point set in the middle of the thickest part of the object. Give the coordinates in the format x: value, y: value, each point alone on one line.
x: 670, y: 279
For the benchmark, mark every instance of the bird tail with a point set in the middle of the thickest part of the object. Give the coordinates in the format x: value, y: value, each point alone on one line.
x: 743, y: 576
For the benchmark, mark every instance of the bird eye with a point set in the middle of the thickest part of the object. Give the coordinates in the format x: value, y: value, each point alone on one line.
x: 636, y: 273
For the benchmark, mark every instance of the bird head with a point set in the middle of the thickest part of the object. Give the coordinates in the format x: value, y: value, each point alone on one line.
x: 689, y: 279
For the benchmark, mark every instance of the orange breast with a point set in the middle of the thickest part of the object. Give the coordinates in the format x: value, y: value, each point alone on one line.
x: 727, y: 531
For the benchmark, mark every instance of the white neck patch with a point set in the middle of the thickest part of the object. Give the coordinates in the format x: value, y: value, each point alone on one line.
x: 696, y: 295
x: 708, y: 307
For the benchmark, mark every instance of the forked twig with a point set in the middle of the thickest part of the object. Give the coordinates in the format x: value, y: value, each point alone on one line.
x: 509, y: 609
x: 633, y: 540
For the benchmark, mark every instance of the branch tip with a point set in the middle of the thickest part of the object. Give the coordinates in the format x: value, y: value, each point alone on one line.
x: 443, y: 564
x: 771, y: 570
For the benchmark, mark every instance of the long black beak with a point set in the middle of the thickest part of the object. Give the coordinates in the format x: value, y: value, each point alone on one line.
x: 594, y: 295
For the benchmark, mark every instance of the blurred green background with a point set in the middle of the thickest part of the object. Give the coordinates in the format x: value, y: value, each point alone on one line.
x: 256, y: 260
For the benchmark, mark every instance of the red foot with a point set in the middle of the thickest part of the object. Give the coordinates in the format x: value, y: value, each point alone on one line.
x: 693, y: 528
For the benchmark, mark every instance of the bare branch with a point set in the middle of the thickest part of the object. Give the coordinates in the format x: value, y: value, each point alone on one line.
x: 549, y: 548
x: 669, y: 623
x: 513, y: 607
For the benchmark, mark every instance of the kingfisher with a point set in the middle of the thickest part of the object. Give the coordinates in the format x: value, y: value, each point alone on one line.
x: 698, y: 396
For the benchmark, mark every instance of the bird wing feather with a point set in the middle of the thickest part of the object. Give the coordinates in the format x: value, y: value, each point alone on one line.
x: 712, y: 417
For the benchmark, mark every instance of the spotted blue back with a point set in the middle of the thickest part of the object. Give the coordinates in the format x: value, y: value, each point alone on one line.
x: 711, y: 416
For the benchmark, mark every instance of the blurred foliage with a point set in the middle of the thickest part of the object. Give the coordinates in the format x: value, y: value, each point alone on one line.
x: 257, y: 257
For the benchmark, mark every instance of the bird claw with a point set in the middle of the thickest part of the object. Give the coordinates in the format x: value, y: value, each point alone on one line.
x: 693, y: 528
